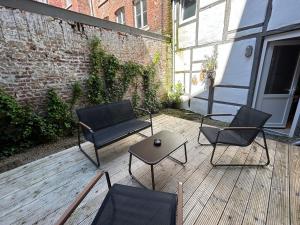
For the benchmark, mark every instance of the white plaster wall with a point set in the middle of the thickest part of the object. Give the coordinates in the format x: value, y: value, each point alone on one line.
x: 197, y: 87
x: 200, y: 53
x: 284, y: 13
x: 187, y: 35
x: 245, y: 13
x: 196, y: 66
x: 182, y: 60
x: 233, y: 95
x: 244, y: 33
x: 222, y: 108
x: 233, y: 67
x: 211, y: 24
x: 199, y: 106
x: 204, y: 3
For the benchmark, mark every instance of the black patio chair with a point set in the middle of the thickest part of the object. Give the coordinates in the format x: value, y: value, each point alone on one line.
x: 125, y: 205
x: 242, y: 131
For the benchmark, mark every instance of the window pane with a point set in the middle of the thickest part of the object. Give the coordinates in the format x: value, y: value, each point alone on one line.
x: 145, y: 18
x: 138, y: 8
x: 139, y: 21
x: 282, y: 69
x: 144, y: 5
x: 189, y: 8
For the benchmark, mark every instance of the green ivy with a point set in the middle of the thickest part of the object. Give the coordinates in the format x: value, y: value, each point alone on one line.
x: 118, y: 77
x: 59, y: 117
x: 76, y: 94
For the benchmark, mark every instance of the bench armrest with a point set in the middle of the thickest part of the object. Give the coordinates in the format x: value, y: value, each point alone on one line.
x: 144, y: 110
x: 81, y: 196
x: 86, y: 127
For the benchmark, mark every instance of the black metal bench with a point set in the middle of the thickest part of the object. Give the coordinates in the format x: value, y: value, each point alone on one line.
x: 107, y: 123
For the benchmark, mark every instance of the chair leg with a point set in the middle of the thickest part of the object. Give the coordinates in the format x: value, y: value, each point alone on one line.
x: 97, y: 164
x: 235, y: 164
x: 199, y: 139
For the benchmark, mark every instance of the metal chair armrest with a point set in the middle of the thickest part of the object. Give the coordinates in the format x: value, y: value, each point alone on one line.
x: 241, y: 128
x: 81, y: 196
x: 180, y: 205
x: 216, y: 114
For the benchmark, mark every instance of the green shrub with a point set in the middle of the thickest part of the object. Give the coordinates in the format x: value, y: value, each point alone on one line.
x: 59, y: 117
x: 173, y: 99
x: 20, y: 127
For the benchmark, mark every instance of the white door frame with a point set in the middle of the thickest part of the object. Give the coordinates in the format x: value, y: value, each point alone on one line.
x: 269, y: 39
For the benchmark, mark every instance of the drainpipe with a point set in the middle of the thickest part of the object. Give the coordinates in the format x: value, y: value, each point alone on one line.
x: 173, y: 42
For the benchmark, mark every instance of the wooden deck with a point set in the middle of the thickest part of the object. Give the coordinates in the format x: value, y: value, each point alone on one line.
x: 39, y: 192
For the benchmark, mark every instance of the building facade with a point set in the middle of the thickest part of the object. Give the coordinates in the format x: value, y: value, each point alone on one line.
x: 150, y: 15
x: 256, y: 44
x: 81, y: 6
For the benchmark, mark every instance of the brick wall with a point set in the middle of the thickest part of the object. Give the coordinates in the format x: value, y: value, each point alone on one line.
x: 40, y: 52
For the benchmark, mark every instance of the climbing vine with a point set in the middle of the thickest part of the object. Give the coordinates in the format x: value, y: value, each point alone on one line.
x: 118, y: 77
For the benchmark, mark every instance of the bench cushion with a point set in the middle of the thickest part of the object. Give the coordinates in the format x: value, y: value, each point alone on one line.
x: 110, y: 134
x: 125, y: 205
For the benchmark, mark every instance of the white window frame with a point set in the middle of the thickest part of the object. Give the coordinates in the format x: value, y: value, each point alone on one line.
x: 68, y: 3
x: 143, y: 26
x: 43, y: 1
x: 121, y: 12
x: 181, y: 12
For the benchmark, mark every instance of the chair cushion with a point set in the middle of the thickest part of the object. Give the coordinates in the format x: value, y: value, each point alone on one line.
x: 125, y: 205
x: 110, y: 134
x: 225, y: 137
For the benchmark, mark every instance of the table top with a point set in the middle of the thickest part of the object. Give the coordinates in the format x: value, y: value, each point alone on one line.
x: 146, y: 151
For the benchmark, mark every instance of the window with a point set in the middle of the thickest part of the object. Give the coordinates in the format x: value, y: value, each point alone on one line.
x: 188, y: 9
x: 42, y: 1
x: 120, y: 16
x: 68, y: 3
x: 140, y: 11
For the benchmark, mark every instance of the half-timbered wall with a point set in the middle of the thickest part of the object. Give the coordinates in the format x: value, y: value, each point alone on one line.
x: 230, y: 26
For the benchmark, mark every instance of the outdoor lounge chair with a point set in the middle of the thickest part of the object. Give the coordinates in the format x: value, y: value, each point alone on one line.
x: 125, y: 205
x: 105, y: 124
x: 242, y: 131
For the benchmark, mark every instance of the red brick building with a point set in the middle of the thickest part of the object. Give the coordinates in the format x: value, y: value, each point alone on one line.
x: 152, y: 15
x: 81, y: 6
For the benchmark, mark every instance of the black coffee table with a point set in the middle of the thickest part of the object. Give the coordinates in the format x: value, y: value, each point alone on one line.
x: 151, y: 154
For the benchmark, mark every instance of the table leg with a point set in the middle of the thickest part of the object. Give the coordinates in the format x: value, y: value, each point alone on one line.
x: 152, y: 176
x: 185, y: 155
x: 130, y: 159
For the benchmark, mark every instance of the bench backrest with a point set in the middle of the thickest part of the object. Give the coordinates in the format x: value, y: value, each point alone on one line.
x: 105, y: 115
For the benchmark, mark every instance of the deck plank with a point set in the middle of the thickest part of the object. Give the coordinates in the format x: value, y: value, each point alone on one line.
x: 38, y: 193
x: 278, y: 210
x: 295, y: 184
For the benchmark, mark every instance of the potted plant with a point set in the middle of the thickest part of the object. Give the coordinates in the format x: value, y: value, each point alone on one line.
x: 208, y: 70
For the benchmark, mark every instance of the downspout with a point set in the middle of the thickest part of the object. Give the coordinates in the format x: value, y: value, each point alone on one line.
x: 173, y: 41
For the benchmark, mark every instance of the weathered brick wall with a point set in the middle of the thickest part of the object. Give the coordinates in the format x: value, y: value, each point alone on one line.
x: 40, y: 52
